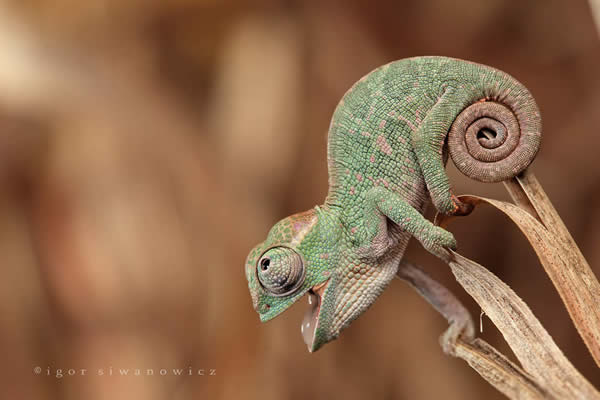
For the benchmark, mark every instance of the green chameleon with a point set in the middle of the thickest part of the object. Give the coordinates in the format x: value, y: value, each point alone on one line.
x: 388, y: 144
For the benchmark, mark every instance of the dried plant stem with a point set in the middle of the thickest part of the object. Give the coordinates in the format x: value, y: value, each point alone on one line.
x: 531, y: 343
x: 499, y: 371
x: 546, y: 373
x: 459, y: 339
x: 561, y: 258
x: 595, y: 7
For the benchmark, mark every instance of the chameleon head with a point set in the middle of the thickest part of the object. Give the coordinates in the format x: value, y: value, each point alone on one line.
x: 298, y: 257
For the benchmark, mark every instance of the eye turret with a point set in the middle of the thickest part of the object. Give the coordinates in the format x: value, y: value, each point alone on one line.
x: 280, y: 271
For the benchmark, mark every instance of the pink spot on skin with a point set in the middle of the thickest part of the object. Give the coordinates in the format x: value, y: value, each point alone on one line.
x: 352, y: 190
x: 352, y: 131
x: 353, y: 230
x: 415, y: 84
x: 347, y: 172
x: 410, y: 124
x: 372, y: 159
x: 384, y: 145
x: 382, y: 124
x: 324, y: 256
x: 381, y: 181
x: 297, y: 226
x: 359, y: 177
x: 392, y: 113
x: 417, y: 117
x: 366, y: 134
x: 409, y: 99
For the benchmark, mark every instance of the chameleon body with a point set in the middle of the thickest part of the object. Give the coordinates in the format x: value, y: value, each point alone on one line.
x: 387, y: 147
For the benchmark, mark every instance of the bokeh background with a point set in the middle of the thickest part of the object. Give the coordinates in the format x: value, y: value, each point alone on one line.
x: 146, y: 146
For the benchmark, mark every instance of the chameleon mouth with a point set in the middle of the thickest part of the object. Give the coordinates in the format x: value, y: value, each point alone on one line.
x: 311, y: 317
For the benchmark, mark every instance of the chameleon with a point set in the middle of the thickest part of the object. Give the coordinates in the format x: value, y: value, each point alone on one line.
x: 388, y: 143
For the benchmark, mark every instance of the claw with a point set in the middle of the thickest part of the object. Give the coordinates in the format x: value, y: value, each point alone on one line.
x: 461, y: 208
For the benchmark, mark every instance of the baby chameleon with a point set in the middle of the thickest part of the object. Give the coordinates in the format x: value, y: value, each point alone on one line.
x: 387, y: 147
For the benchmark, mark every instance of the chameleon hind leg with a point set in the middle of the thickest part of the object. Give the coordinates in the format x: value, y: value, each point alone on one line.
x: 382, y: 204
x: 428, y: 143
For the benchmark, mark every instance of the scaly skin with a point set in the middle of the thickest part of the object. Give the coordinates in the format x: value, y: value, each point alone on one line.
x: 386, y: 157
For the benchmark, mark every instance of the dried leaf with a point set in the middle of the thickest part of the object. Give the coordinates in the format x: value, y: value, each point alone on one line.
x: 459, y: 339
x: 562, y: 260
x: 547, y: 370
x: 499, y: 371
x: 533, y: 346
x: 595, y: 8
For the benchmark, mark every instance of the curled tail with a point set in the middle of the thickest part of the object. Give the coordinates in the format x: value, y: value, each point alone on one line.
x: 492, y: 126
x: 497, y: 137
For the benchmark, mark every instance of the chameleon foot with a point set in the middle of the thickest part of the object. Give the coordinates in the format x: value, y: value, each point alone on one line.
x: 437, y: 240
x: 461, y: 208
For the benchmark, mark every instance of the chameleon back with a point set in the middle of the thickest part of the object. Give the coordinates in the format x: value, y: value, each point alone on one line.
x: 372, y: 131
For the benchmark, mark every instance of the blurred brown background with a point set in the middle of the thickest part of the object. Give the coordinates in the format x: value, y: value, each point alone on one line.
x: 146, y: 146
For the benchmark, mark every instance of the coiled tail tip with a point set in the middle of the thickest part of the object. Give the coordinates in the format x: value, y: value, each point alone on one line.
x: 495, y: 139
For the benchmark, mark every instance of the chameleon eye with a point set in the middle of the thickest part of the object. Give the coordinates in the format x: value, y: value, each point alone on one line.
x: 264, y: 264
x: 280, y: 271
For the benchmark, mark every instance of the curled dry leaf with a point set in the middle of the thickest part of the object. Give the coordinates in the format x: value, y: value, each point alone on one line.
x: 562, y: 260
x: 546, y: 372
x: 459, y: 340
x: 540, y: 357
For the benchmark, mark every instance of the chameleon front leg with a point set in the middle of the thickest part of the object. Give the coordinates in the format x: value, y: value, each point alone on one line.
x: 383, y: 204
x: 428, y: 142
